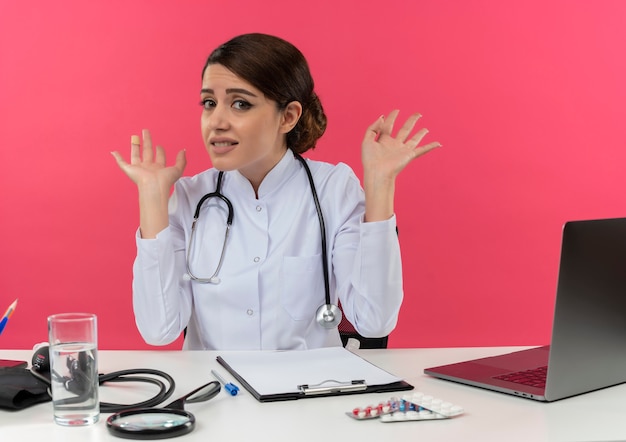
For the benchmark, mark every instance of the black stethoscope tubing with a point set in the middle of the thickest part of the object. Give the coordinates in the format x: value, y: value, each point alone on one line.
x: 213, y: 279
x: 166, y: 389
x: 216, y: 194
x: 318, y: 209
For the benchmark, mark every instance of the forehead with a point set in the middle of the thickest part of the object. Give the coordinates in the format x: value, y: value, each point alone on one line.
x: 218, y: 77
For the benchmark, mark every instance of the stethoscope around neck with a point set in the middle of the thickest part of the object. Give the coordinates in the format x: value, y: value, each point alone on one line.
x: 328, y: 315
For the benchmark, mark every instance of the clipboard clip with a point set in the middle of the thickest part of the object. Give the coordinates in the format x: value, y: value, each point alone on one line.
x: 332, y: 386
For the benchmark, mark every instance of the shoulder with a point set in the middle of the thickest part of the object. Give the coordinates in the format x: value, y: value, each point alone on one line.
x: 335, y: 174
x: 197, y: 183
x: 339, y: 190
x: 209, y: 175
x: 189, y: 189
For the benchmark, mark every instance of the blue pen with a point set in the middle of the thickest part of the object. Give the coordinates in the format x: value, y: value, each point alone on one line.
x: 228, y: 386
x: 7, y: 315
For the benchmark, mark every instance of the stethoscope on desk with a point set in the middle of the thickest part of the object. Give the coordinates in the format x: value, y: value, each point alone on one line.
x: 142, y: 420
x: 327, y: 315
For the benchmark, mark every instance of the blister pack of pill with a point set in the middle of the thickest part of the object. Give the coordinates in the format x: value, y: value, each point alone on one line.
x: 415, y: 407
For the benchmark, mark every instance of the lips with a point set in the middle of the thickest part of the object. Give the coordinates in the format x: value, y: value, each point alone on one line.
x: 223, y: 146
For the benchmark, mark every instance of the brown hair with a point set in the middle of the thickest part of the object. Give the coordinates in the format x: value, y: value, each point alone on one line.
x: 279, y: 70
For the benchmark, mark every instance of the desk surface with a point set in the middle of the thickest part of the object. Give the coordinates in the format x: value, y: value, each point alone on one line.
x: 489, y: 416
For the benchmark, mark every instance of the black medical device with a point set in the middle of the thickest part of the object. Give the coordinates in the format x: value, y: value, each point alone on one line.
x: 160, y: 423
x: 328, y: 315
x: 76, y: 381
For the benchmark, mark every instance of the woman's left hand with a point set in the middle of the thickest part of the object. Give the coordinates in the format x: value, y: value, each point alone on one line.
x: 384, y: 155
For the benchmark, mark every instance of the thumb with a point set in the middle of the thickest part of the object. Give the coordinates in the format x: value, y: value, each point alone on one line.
x: 181, y: 160
x: 374, y: 129
x: 119, y: 160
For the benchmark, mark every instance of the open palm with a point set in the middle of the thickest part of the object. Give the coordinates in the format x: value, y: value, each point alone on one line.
x: 147, y: 166
x: 386, y: 155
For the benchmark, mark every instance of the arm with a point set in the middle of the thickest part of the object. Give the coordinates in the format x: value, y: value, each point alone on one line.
x: 366, y: 258
x: 162, y: 300
x: 374, y: 295
x: 372, y: 299
x: 157, y: 300
x: 384, y: 157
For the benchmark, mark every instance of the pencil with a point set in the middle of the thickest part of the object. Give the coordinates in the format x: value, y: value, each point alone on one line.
x: 7, y: 315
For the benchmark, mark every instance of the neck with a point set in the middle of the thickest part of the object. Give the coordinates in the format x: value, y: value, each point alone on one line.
x: 256, y: 175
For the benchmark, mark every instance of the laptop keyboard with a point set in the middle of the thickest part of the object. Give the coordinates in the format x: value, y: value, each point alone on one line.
x: 535, y: 377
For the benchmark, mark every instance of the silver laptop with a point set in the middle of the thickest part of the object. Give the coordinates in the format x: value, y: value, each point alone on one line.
x: 588, y: 346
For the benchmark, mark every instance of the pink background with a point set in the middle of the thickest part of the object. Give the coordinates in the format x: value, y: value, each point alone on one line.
x: 527, y: 99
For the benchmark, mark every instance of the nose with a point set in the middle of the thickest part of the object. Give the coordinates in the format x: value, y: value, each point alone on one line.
x: 217, y: 118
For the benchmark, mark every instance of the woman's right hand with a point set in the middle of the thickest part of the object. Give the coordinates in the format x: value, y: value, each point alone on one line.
x: 154, y: 180
x: 147, y: 167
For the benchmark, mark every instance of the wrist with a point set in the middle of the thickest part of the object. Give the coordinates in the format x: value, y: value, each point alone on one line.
x: 379, y: 196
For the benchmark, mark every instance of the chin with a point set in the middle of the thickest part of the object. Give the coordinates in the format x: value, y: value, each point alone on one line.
x: 224, y: 164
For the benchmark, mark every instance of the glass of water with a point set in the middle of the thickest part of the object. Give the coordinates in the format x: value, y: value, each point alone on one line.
x: 73, y: 339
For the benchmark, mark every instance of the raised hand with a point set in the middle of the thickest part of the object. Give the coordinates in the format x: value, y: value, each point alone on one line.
x: 154, y: 180
x: 384, y: 156
x: 147, y: 167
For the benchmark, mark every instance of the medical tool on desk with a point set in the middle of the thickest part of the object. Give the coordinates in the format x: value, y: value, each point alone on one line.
x: 415, y: 407
x: 74, y: 383
x: 327, y: 315
x: 231, y: 388
x: 161, y: 423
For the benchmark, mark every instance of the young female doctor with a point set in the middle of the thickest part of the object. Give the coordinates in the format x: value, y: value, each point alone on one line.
x: 278, y: 240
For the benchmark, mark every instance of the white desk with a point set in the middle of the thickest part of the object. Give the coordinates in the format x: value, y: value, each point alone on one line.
x: 489, y: 416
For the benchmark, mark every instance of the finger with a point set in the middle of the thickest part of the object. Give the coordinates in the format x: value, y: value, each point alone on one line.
x: 160, y: 156
x: 421, y: 150
x: 147, y: 146
x: 120, y: 161
x: 181, y: 161
x: 407, y: 127
x: 374, y: 129
x: 418, y: 137
x: 135, y: 154
x: 387, y: 128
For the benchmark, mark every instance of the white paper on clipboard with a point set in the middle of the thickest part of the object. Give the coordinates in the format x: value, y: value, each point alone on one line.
x: 283, y: 372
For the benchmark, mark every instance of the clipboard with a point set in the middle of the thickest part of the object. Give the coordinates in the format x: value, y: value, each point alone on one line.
x: 272, y: 376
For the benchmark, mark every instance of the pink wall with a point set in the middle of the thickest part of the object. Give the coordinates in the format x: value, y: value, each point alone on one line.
x: 526, y: 97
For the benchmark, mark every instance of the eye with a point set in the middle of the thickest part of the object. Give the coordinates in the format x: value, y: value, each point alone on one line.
x: 207, y: 103
x: 241, y: 105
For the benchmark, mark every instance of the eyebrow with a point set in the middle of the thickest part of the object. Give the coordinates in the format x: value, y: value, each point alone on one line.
x: 229, y: 91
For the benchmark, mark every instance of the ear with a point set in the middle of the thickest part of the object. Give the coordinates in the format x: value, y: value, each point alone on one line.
x: 291, y: 116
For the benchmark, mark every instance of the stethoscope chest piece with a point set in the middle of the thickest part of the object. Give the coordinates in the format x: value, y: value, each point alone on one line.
x: 328, y: 315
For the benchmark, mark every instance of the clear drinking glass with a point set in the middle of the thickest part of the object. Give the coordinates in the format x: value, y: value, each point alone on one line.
x: 73, y: 339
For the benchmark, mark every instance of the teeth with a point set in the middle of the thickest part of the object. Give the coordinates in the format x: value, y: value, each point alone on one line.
x: 223, y: 144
